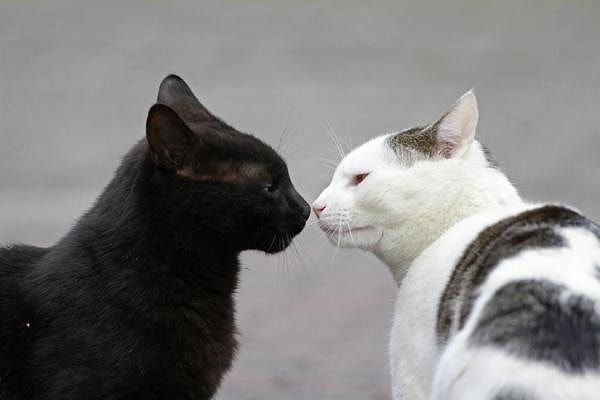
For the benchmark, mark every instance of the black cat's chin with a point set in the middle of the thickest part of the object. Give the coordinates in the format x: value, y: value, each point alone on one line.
x: 280, y: 241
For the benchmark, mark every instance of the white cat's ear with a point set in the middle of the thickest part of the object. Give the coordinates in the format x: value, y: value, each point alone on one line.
x: 455, y: 130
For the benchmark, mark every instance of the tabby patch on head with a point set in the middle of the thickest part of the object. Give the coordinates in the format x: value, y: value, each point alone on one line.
x: 447, y: 137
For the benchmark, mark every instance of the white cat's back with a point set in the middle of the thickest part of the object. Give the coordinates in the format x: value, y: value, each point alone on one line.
x: 530, y: 327
x: 414, y: 351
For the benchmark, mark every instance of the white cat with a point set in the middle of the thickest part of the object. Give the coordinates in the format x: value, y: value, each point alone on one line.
x: 498, y: 299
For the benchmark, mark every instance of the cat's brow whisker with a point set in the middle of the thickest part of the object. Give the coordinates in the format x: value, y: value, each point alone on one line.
x: 331, y: 168
x: 284, y: 132
x: 294, y: 150
x: 335, y: 140
x: 323, y: 161
x: 342, y: 145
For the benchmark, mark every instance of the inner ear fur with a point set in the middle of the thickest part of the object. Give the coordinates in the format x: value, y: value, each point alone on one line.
x: 455, y: 130
x: 169, y: 138
x: 449, y: 136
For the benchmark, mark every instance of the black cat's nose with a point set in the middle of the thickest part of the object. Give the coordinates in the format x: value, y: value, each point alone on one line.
x: 303, y: 207
x: 305, y: 211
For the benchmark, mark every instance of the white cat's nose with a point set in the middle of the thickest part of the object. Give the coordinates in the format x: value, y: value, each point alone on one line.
x: 318, y: 209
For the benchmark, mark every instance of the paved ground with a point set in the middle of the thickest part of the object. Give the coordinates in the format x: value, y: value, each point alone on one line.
x: 76, y: 79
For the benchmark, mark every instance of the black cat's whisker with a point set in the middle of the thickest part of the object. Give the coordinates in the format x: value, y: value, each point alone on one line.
x: 272, y: 242
x: 288, y: 274
x: 295, y: 253
x: 283, y: 134
x: 299, y: 257
x: 280, y: 261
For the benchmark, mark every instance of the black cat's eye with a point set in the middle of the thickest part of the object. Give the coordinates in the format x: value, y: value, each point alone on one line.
x: 358, y: 178
x: 269, y: 187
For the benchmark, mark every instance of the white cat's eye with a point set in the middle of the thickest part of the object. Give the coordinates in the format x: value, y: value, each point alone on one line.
x: 358, y: 178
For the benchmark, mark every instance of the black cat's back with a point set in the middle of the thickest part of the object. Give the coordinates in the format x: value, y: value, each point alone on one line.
x: 15, y: 263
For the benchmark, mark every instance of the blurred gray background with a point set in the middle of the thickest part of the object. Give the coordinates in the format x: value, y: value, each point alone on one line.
x: 77, y: 78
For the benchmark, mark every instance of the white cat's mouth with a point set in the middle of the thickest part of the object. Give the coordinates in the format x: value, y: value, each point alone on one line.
x: 343, y: 229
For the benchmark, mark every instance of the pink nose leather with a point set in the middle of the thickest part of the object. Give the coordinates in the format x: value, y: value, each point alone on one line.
x: 318, y: 210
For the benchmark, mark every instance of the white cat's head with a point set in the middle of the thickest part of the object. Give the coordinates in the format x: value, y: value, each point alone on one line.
x: 402, y: 190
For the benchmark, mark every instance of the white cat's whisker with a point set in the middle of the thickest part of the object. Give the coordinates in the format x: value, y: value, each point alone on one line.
x: 351, y: 236
x: 324, y: 162
x: 336, y: 142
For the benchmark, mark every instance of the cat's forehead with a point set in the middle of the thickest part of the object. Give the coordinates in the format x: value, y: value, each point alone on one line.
x: 236, y: 157
x: 367, y: 157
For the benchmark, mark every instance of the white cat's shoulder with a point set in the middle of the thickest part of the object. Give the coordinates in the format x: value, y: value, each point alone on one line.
x: 441, y: 256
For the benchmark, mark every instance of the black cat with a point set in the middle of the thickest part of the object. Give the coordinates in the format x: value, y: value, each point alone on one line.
x: 135, y: 302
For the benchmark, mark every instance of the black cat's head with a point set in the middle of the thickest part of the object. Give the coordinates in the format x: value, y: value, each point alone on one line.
x: 217, y: 183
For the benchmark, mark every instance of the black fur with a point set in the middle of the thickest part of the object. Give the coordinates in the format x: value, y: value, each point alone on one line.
x: 540, y: 320
x: 135, y: 302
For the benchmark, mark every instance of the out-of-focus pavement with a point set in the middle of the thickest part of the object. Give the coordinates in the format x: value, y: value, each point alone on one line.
x: 77, y: 78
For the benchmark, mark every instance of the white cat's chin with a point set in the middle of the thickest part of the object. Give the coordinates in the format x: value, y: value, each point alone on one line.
x: 364, y: 237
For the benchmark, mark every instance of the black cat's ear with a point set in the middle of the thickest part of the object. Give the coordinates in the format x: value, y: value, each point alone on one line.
x: 169, y: 138
x: 175, y: 93
x: 455, y: 130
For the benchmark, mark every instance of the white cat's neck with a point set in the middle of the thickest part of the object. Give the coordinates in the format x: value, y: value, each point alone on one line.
x: 466, y: 187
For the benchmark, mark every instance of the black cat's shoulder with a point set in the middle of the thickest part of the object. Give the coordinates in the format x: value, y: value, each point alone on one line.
x: 15, y: 263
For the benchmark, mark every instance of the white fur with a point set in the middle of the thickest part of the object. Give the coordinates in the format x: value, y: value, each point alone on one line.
x: 404, y: 209
x: 418, y: 218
